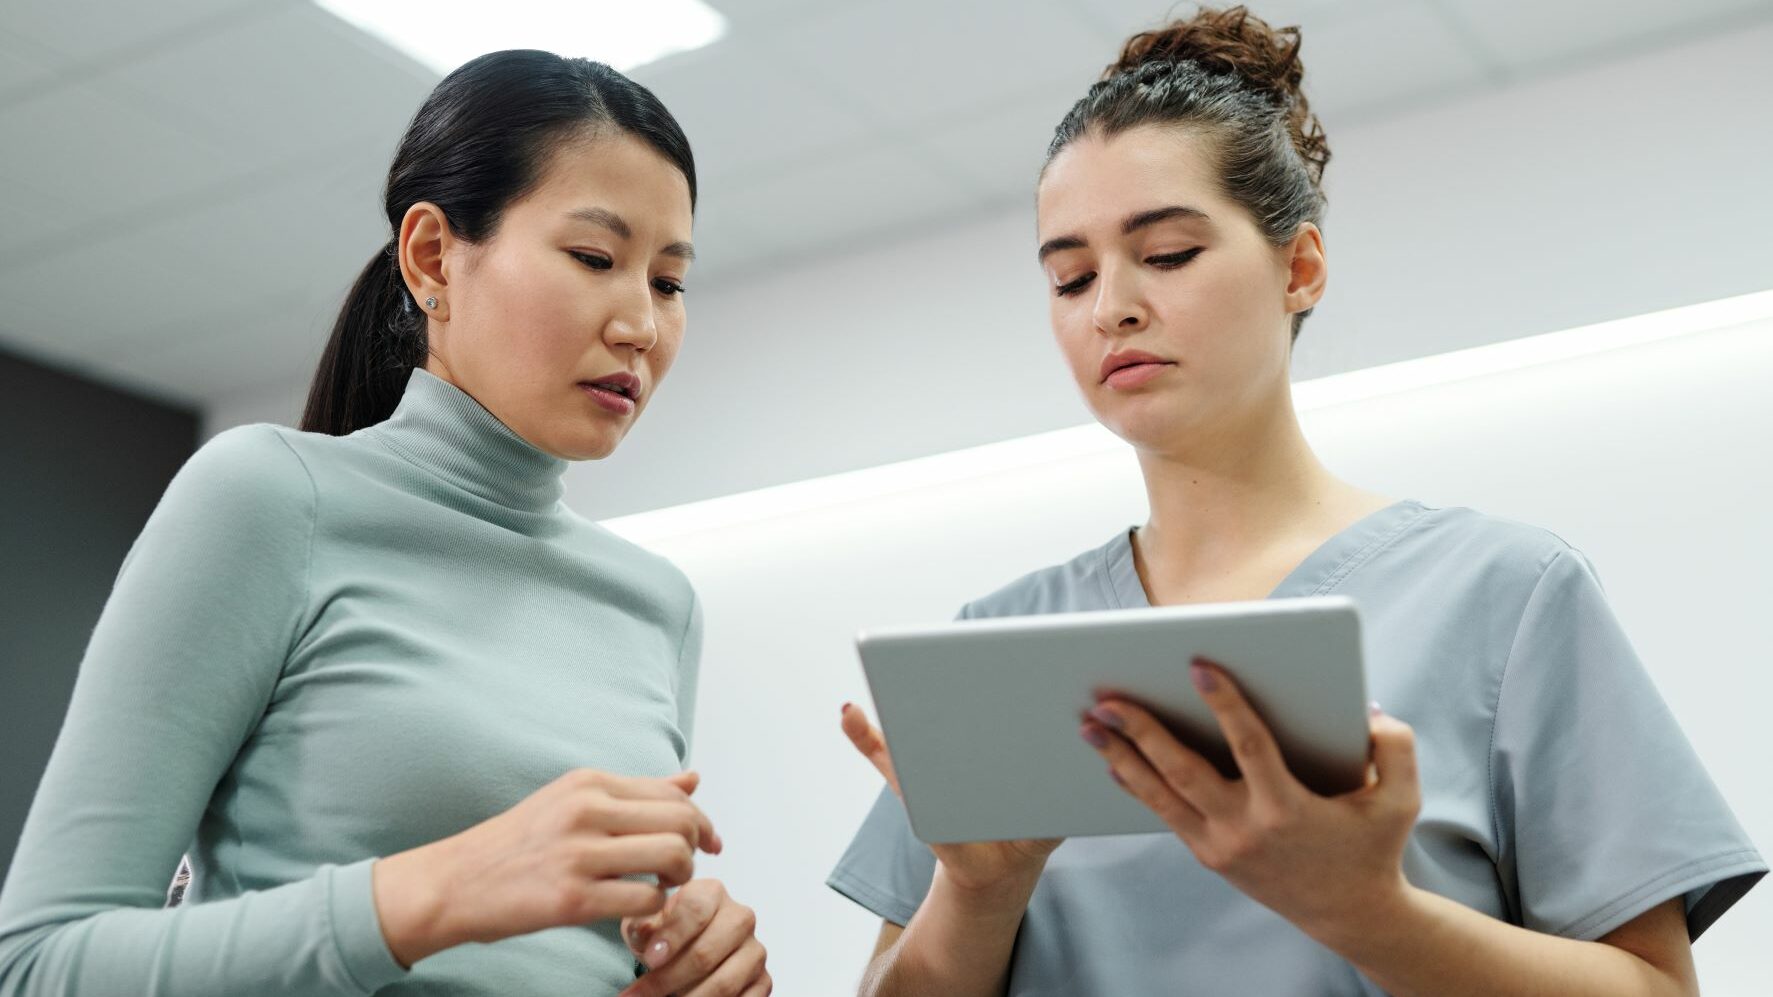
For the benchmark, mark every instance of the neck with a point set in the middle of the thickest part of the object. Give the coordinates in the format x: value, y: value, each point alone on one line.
x: 1236, y: 490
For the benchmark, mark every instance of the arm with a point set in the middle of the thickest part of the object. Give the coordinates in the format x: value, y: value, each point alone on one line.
x: 1333, y: 866
x: 958, y: 943
x: 177, y: 673
x: 959, y: 940
x: 1433, y: 945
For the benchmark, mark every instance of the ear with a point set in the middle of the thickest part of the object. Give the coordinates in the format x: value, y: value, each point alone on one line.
x: 1306, y: 272
x: 425, y: 242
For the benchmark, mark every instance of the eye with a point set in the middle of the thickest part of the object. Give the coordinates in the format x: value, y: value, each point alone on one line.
x: 1070, y: 288
x: 592, y: 260
x: 1170, y: 261
x: 669, y: 288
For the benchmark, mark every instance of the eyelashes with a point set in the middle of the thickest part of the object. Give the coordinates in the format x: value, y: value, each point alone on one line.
x: 1164, y: 261
x: 663, y: 285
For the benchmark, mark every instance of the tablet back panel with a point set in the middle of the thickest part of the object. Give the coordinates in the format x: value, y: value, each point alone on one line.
x: 982, y: 716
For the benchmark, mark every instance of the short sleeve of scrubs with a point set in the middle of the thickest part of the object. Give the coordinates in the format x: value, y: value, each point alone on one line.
x: 1602, y: 808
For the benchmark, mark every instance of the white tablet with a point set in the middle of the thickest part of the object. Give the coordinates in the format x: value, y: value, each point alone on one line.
x: 981, y: 716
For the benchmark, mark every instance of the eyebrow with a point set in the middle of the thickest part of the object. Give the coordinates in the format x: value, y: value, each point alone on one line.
x: 610, y: 220
x: 1133, y: 223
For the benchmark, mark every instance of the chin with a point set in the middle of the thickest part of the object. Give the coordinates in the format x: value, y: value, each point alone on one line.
x: 583, y: 445
x: 1148, y: 427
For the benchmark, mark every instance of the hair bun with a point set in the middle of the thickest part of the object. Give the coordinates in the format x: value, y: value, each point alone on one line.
x: 1235, y: 42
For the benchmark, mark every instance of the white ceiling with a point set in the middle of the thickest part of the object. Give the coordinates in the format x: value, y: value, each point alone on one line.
x: 187, y: 186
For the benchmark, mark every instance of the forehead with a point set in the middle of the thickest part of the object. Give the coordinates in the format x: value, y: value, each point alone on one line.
x: 616, y: 171
x: 1097, y: 181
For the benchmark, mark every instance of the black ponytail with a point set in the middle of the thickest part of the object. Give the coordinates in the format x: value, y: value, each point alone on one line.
x: 478, y: 143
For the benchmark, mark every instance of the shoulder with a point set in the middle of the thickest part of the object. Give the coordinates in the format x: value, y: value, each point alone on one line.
x: 1478, y: 542
x: 1083, y: 583
x: 245, y: 472
x: 656, y: 572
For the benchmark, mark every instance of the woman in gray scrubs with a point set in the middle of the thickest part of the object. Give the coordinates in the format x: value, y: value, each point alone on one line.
x: 1536, y: 821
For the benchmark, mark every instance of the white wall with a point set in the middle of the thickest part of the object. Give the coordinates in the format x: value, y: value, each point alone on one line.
x: 1652, y: 459
x: 1615, y: 190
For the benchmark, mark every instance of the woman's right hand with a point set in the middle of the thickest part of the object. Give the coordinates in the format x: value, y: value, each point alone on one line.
x: 557, y: 858
x: 978, y: 867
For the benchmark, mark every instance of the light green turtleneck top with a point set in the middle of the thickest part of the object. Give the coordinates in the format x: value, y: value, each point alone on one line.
x: 319, y: 651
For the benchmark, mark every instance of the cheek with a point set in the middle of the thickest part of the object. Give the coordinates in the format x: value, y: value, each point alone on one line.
x: 1074, y: 332
x: 538, y: 310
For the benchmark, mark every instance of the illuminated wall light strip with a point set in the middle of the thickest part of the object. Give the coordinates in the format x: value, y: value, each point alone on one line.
x: 1091, y: 440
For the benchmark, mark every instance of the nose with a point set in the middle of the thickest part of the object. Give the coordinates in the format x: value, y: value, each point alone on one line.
x: 632, y: 321
x: 1120, y: 308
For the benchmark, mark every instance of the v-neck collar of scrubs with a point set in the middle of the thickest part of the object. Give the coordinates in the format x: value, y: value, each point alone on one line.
x: 1319, y: 574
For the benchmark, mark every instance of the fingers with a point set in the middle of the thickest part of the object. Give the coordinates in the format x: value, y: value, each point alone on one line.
x: 721, y: 956
x: 674, y: 789
x: 737, y: 975
x: 1252, y: 744
x: 1185, y: 773
x: 630, y: 787
x: 651, y: 817
x: 636, y: 930
x: 682, y: 921
x: 869, y: 741
x: 606, y: 898
x: 667, y: 856
x: 1394, y: 759
x: 1135, y: 774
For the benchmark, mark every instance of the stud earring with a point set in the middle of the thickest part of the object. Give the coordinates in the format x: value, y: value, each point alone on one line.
x: 430, y: 302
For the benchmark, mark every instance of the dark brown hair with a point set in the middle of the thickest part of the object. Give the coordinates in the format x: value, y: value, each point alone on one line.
x: 1237, y: 80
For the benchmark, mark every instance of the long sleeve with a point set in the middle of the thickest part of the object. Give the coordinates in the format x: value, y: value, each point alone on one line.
x: 177, y: 674
x: 689, y: 667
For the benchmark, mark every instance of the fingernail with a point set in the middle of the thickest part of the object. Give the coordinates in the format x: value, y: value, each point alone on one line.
x: 1107, y: 718
x: 1117, y: 779
x: 655, y: 954
x: 1373, y: 709
x: 1204, y: 679
x: 1095, y: 735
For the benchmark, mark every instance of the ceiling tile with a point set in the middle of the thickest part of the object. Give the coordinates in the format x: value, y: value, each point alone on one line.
x: 744, y: 111
x: 84, y: 146
x: 23, y: 63
x: 1525, y: 34
x: 27, y: 216
x: 914, y: 62
x: 1119, y: 19
x: 282, y: 83
x: 755, y: 12
x: 98, y: 292
x: 90, y: 29
x: 1387, y: 56
x: 1003, y: 149
x: 850, y: 201
x: 256, y: 346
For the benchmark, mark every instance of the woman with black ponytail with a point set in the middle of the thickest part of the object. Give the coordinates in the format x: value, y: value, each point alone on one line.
x: 419, y: 727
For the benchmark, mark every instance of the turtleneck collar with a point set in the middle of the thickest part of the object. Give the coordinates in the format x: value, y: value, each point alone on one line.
x: 443, y: 430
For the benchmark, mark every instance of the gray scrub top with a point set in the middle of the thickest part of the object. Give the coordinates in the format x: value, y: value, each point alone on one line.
x: 1558, y: 792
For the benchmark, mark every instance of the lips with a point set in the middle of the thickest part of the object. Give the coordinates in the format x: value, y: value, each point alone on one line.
x: 1115, y: 362
x: 621, y: 383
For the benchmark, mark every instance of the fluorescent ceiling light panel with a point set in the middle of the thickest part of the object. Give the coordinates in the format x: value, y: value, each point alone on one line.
x: 443, y: 34
x: 1081, y: 441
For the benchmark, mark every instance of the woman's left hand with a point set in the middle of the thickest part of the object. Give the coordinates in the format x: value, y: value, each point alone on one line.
x: 703, y: 944
x: 1330, y: 865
